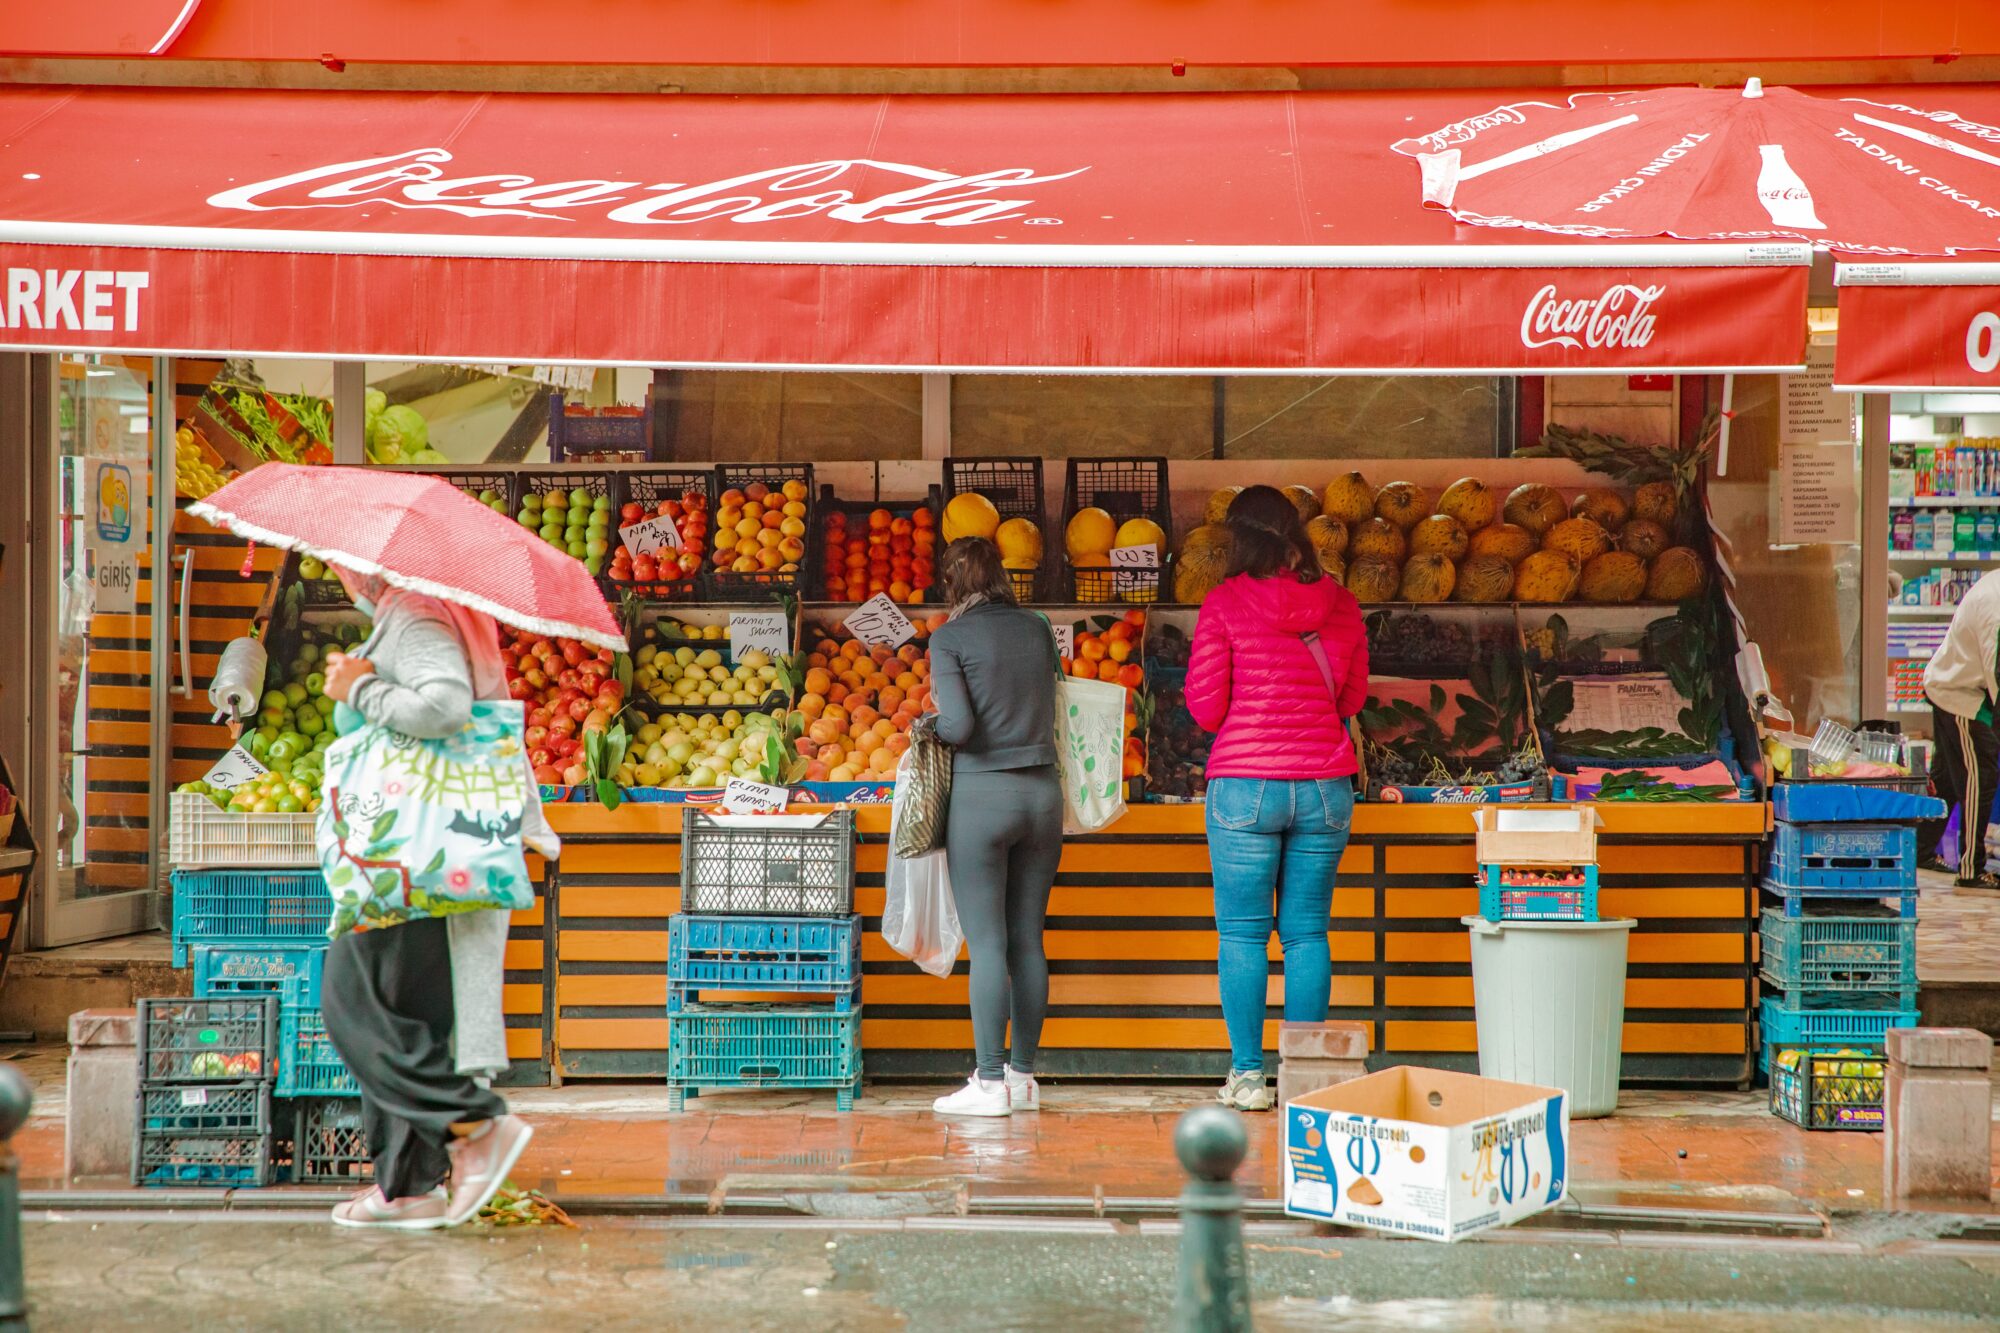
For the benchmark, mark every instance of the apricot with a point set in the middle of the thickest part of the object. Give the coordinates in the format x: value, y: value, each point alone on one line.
x: 1090, y: 648
x: 899, y: 744
x: 817, y: 771
x: 835, y: 713
x: 837, y: 693
x: 863, y: 718
x: 843, y: 773
x: 882, y: 759
x: 818, y: 681
x: 812, y: 705
x: 1107, y: 670
x: 824, y: 731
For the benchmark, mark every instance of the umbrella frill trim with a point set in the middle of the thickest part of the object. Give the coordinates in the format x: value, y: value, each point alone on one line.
x: 557, y: 629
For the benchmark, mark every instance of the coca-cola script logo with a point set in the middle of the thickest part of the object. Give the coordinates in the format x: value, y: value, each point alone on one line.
x: 845, y: 189
x: 1459, y: 131
x: 1621, y: 317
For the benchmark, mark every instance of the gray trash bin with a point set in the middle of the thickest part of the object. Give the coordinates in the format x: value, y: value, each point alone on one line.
x: 1550, y: 1000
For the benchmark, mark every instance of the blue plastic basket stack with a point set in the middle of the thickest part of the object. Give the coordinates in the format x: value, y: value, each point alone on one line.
x: 1838, y: 936
x: 254, y: 933
x: 769, y: 913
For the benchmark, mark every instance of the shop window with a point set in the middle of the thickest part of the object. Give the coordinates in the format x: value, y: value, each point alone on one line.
x: 1347, y: 416
x: 486, y: 413
x: 754, y: 416
x: 1071, y: 416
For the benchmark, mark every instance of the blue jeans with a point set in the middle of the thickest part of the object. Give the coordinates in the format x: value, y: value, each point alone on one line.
x: 1272, y: 841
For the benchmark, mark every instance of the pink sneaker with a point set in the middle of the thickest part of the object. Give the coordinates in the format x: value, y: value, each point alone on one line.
x: 419, y: 1212
x: 479, y: 1166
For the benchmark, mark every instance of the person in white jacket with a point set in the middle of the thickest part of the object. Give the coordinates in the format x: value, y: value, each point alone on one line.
x: 1959, y: 682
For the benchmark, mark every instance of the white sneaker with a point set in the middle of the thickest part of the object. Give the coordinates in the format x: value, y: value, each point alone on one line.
x: 1022, y: 1091
x: 1246, y: 1091
x: 977, y: 1097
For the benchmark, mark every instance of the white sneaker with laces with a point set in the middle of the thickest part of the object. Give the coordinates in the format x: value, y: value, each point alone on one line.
x: 1022, y: 1091
x: 977, y: 1097
x: 1246, y: 1091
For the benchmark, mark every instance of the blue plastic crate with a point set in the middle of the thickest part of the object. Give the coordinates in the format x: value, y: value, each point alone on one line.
x: 1820, y: 802
x: 308, y: 1066
x: 1783, y: 1025
x: 213, y: 1134
x: 1503, y: 902
x: 248, y: 907
x: 289, y: 971
x: 763, y: 953
x: 1843, y: 953
x: 762, y: 1046
x: 1807, y: 856
x: 1792, y: 899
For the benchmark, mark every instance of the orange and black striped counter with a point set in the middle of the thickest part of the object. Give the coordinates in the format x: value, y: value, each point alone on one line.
x: 1131, y: 944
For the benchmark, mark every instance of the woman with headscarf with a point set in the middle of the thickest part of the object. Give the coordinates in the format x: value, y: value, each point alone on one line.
x: 414, y: 1009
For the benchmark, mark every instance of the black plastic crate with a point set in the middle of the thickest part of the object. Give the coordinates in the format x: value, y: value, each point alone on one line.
x: 647, y: 487
x: 830, y: 515
x: 724, y: 582
x: 1014, y: 485
x: 474, y: 481
x: 1125, y: 488
x: 1826, y: 1088
x: 206, y: 1040
x: 767, y: 868
x: 327, y: 591
x: 329, y: 1142
x: 216, y: 1134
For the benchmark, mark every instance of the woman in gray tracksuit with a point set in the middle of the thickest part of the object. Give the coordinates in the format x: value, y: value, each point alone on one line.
x: 993, y: 677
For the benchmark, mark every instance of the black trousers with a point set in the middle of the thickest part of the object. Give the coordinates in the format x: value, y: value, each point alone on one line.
x: 1967, y: 773
x: 386, y: 996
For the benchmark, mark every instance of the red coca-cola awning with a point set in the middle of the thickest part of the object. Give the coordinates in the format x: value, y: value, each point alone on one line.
x: 1918, y: 326
x: 1252, y: 232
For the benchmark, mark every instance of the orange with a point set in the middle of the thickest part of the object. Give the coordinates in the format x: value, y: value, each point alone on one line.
x: 1120, y: 649
x: 1107, y: 670
x: 1090, y: 648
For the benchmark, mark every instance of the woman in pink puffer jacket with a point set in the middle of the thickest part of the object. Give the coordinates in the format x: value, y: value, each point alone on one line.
x: 1280, y: 663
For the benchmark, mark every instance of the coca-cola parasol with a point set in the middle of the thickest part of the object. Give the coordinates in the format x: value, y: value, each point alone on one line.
x: 418, y: 533
x: 1845, y: 173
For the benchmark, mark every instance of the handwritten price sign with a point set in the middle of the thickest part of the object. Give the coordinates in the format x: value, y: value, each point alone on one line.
x: 758, y: 631
x: 878, y: 620
x: 1065, y: 640
x: 1133, y: 567
x: 741, y: 796
x: 650, y: 535
x: 234, y: 769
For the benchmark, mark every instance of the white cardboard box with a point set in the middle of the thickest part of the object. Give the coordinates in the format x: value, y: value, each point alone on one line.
x: 1425, y: 1152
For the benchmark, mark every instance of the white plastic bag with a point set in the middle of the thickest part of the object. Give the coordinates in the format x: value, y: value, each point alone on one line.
x: 919, y: 918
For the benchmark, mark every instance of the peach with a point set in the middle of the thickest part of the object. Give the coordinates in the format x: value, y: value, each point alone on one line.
x: 837, y: 693
x: 863, y: 717
x: 905, y: 681
x: 898, y: 743
x: 892, y: 697
x: 817, y: 771
x: 882, y: 759
x: 825, y: 731
x: 811, y: 706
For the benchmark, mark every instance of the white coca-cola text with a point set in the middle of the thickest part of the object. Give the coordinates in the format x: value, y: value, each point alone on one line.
x: 1620, y: 317
x: 844, y: 189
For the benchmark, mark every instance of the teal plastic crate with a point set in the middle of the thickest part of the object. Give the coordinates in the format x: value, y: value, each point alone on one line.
x: 763, y: 953
x: 290, y: 972
x: 713, y: 1046
x: 1499, y: 901
x: 248, y: 907
x: 308, y: 1066
x: 1843, y: 856
x: 212, y: 1135
x: 1784, y: 1022
x: 1852, y: 951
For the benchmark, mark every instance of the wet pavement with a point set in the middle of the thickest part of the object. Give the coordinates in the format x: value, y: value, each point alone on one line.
x: 220, y: 1271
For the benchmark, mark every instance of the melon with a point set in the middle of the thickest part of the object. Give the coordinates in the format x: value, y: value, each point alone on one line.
x: 1328, y: 536
x: 1305, y: 500
x: 1378, y: 537
x: 1217, y: 508
x: 1203, y: 561
x: 1535, y: 507
x: 1546, y: 576
x: 1657, y: 501
x: 1403, y: 503
x: 1510, y: 541
x: 1428, y: 578
x: 1644, y: 537
x: 1580, y: 538
x: 1090, y: 532
x: 1348, y: 498
x: 1606, y: 508
x: 1485, y: 578
x: 1677, y: 574
x: 1470, y: 502
x: 1615, y: 576
x: 1334, y: 567
x: 1439, y: 534
x: 1141, y: 532
x: 970, y: 514
x: 1372, y: 579
x: 1020, y: 543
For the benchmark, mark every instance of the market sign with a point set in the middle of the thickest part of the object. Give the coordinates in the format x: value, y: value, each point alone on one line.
x: 1915, y: 326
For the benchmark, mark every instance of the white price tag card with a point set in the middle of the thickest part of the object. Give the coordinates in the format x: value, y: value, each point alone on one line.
x: 194, y: 1096
x: 879, y: 620
x: 649, y: 535
x: 234, y: 769
x: 1065, y: 640
x: 1135, y: 557
x: 758, y: 631
x: 741, y: 796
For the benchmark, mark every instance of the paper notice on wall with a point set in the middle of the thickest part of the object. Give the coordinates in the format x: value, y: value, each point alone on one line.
x: 1809, y: 411
x: 1624, y: 703
x: 1816, y: 494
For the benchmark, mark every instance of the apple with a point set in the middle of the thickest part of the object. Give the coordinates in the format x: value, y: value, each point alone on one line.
x: 534, y: 736
x: 572, y: 651
x: 548, y: 776
x: 519, y: 688
x: 540, y: 755
x: 537, y: 679
x: 574, y: 774
x: 631, y: 513
x: 579, y: 709
x: 562, y: 725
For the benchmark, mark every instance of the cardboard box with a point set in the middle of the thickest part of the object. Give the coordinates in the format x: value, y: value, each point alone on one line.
x: 1424, y: 1152
x: 1536, y: 835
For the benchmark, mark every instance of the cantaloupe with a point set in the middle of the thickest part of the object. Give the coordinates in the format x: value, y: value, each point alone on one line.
x: 1644, y: 537
x: 1141, y: 532
x: 969, y: 514
x: 1510, y: 541
x: 1657, y: 501
x: 1439, y: 534
x: 1203, y: 561
x: 1579, y: 538
x: 1535, y: 507
x: 1428, y: 578
x: 1217, y: 508
x: 1470, y: 502
x: 1372, y: 579
x: 1020, y: 543
x: 1378, y: 537
x: 1546, y: 576
x: 1484, y: 578
x: 1334, y: 567
x: 1305, y: 500
x: 1606, y: 508
x: 1403, y: 503
x: 1615, y: 576
x: 1676, y: 575
x: 1348, y: 498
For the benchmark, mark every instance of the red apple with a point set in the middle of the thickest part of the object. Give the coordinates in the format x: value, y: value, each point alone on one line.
x: 538, y: 717
x: 574, y: 774
x: 632, y: 512
x: 518, y: 688
x: 539, y: 755
x: 534, y: 736
x: 572, y: 651
x: 536, y: 678
x: 562, y: 725
x: 579, y: 709
x: 548, y: 775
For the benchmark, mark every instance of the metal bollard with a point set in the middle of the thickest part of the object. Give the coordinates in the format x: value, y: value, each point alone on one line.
x: 1213, y: 1294
x: 15, y: 1099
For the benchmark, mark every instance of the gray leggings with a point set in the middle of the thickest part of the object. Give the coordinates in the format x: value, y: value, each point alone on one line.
x: 1003, y: 837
